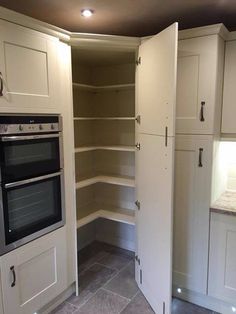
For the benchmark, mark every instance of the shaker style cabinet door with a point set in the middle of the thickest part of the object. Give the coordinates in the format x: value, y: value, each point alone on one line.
x: 197, y: 73
x: 154, y: 167
x: 34, y: 274
x: 28, y: 70
x: 191, y: 211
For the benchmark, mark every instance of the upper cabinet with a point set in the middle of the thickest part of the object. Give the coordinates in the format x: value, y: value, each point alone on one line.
x: 229, y: 94
x: 199, y: 85
x: 28, y: 70
x: 155, y: 82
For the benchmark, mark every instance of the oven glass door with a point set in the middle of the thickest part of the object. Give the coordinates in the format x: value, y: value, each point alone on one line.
x: 23, y: 157
x: 31, y: 206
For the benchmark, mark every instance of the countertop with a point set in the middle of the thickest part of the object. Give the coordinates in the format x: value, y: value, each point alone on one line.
x: 226, y: 204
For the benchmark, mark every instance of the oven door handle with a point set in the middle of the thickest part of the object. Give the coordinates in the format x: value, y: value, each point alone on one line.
x: 27, y: 137
x: 23, y: 182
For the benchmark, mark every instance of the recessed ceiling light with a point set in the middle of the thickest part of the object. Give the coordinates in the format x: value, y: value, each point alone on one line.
x: 87, y: 12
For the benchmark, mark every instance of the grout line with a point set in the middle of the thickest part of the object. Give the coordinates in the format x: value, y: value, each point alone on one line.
x: 116, y: 294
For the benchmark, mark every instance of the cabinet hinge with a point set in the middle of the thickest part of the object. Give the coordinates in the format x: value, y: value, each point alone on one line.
x: 140, y: 276
x: 137, y: 259
x: 138, y: 146
x: 137, y: 203
x: 138, y: 61
x: 138, y: 119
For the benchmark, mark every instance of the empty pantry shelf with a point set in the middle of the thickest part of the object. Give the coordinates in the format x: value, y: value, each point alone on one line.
x: 117, y: 215
x: 104, y: 118
x: 122, y: 148
x: 104, y: 87
x: 124, y: 181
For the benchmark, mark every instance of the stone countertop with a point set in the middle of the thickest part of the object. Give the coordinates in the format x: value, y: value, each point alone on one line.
x: 226, y: 204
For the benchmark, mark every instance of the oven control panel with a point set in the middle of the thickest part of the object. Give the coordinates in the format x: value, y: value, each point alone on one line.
x: 32, y: 124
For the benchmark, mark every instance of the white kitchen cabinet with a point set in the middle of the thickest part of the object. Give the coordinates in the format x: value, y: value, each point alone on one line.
x: 229, y: 92
x: 1, y: 301
x: 29, y: 70
x: 199, y: 85
x: 34, y: 274
x: 222, y: 263
x: 193, y: 167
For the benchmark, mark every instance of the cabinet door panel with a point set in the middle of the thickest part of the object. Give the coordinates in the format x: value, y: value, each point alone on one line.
x: 196, y: 85
x: 29, y: 67
x: 156, y: 83
x: 191, y: 211
x: 40, y: 269
x: 223, y: 258
x: 154, y: 168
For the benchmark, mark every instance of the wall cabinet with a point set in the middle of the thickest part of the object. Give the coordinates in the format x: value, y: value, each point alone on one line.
x: 229, y: 93
x: 34, y: 274
x: 222, y: 264
x: 28, y: 69
x: 193, y: 166
x: 199, y: 85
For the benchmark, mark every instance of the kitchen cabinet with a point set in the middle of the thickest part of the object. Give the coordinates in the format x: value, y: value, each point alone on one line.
x: 1, y: 301
x: 199, y: 85
x: 229, y: 92
x: 222, y: 260
x: 34, y: 274
x: 193, y: 167
x: 28, y: 70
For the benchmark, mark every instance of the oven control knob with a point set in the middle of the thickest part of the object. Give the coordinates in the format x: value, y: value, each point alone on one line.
x: 52, y: 127
x: 21, y: 127
x: 40, y: 127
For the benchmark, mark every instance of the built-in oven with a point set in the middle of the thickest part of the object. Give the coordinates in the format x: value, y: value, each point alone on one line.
x: 31, y: 178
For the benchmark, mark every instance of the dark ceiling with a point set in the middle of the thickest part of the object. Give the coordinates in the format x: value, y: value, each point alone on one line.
x: 127, y: 17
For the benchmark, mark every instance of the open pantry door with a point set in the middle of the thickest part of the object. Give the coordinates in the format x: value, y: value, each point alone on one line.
x: 155, y: 99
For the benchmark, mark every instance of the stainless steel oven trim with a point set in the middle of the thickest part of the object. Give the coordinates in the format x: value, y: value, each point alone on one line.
x: 22, y: 182
x: 6, y: 248
x: 27, y: 137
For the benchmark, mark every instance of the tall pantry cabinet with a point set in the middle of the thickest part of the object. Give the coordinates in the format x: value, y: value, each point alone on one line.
x: 117, y: 166
x: 198, y: 112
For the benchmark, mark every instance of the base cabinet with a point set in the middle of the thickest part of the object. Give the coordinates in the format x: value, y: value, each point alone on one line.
x: 193, y: 163
x: 1, y: 302
x: 222, y: 263
x: 34, y: 274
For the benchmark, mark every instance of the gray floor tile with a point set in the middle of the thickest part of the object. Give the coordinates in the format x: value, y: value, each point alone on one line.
x: 65, y: 308
x: 81, y: 299
x: 115, y: 261
x: 89, y: 262
x: 95, y: 277
x: 138, y: 305
x: 104, y: 302
x: 124, y: 282
x: 181, y: 307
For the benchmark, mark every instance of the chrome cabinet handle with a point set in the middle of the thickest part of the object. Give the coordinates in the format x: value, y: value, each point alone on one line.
x: 200, y: 158
x: 12, y: 269
x: 202, y: 119
x: 1, y: 84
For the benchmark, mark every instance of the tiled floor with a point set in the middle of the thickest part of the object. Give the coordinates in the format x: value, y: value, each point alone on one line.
x: 107, y: 286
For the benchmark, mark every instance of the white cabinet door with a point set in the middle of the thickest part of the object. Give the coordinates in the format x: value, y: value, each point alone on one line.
x: 229, y: 93
x: 154, y: 167
x: 193, y: 164
x: 40, y: 271
x: 29, y: 70
x: 197, y: 79
x: 223, y: 258
x: 156, y: 83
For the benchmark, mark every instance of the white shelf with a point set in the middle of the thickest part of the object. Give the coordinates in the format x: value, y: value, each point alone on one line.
x: 104, y: 87
x: 124, y: 181
x: 118, y: 215
x: 103, y: 118
x: 114, y: 148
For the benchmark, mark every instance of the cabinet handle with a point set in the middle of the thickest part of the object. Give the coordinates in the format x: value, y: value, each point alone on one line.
x: 1, y: 84
x: 200, y: 158
x: 12, y: 268
x: 202, y: 119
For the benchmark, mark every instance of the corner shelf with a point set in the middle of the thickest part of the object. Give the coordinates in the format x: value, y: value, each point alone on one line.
x: 119, y: 215
x: 103, y: 87
x: 103, y: 118
x: 121, y: 148
x: 116, y: 180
